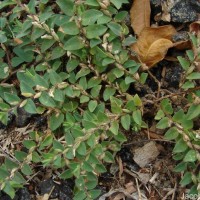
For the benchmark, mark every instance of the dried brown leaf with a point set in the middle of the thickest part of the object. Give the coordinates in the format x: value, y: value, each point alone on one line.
x: 183, y: 45
x: 130, y: 188
x: 140, y: 15
x: 153, y: 43
x: 195, y: 27
x: 18, y: 41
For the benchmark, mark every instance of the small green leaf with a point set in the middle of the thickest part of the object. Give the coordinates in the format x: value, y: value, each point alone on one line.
x: 107, y: 61
x: 190, y: 156
x: 56, y: 120
x: 82, y: 149
x: 58, y: 146
x: 10, y: 164
x: 115, y: 105
x: 121, y: 16
x: 104, y: 19
x: 114, y: 127
x: 72, y: 64
x: 128, y: 41
x: 54, y: 77
x: 20, y: 155
x: 89, y: 17
x: 3, y: 37
x: 67, y: 6
x: 188, y: 85
x: 26, y: 89
x: 194, y: 76
x: 57, y: 53
x: 70, y: 28
x: 193, y: 112
x: 87, y: 166
x: 29, y: 144
x: 108, y: 92
x: 4, y: 70
x: 137, y: 100
x: 181, y: 167
x: 137, y: 117
x: 94, y: 31
x: 12, y: 99
x: 48, y: 140
x: 163, y: 123
x: 94, y: 193
x: 4, y: 106
x: 115, y: 28
x: 8, y: 189
x: 74, y: 43
x: 160, y: 114
x: 187, y: 179
x: 108, y: 157
x: 4, y: 117
x: 184, y: 63
x: 171, y: 134
x: 143, y: 77
x: 30, y: 106
x: 67, y: 174
x: 92, y: 3
x: 80, y: 195
x: 166, y: 106
x: 46, y: 100
x: 92, y: 105
x: 180, y: 146
x: 35, y: 157
x: 120, y: 137
x: 26, y: 170
x: 129, y: 80
x: 118, y: 3
x: 84, y: 99
x: 126, y: 121
x: 190, y: 55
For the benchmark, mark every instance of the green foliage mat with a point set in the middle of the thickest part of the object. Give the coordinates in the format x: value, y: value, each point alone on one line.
x: 72, y: 61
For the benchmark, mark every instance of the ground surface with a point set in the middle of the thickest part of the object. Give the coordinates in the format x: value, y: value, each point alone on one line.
x: 144, y: 166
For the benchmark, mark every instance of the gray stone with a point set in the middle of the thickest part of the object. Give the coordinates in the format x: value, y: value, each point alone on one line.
x: 185, y: 11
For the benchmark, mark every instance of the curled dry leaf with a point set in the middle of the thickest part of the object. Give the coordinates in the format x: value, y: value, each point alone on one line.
x: 153, y: 43
x: 182, y: 45
x: 195, y: 28
x: 140, y: 15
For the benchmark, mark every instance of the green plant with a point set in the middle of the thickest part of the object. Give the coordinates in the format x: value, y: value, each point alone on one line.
x: 181, y: 121
x: 72, y: 63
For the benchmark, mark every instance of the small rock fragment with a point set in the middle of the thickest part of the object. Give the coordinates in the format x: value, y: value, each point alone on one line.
x: 146, y: 154
x: 184, y: 11
x: 22, y: 118
x: 24, y: 194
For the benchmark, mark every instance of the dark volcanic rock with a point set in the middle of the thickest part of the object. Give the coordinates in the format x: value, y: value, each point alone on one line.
x: 185, y: 11
x: 173, y: 75
x: 46, y: 186
x: 181, y: 11
x: 65, y: 190
x: 127, y: 158
x: 22, y: 118
x: 61, y: 191
x: 180, y: 36
x: 23, y: 194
